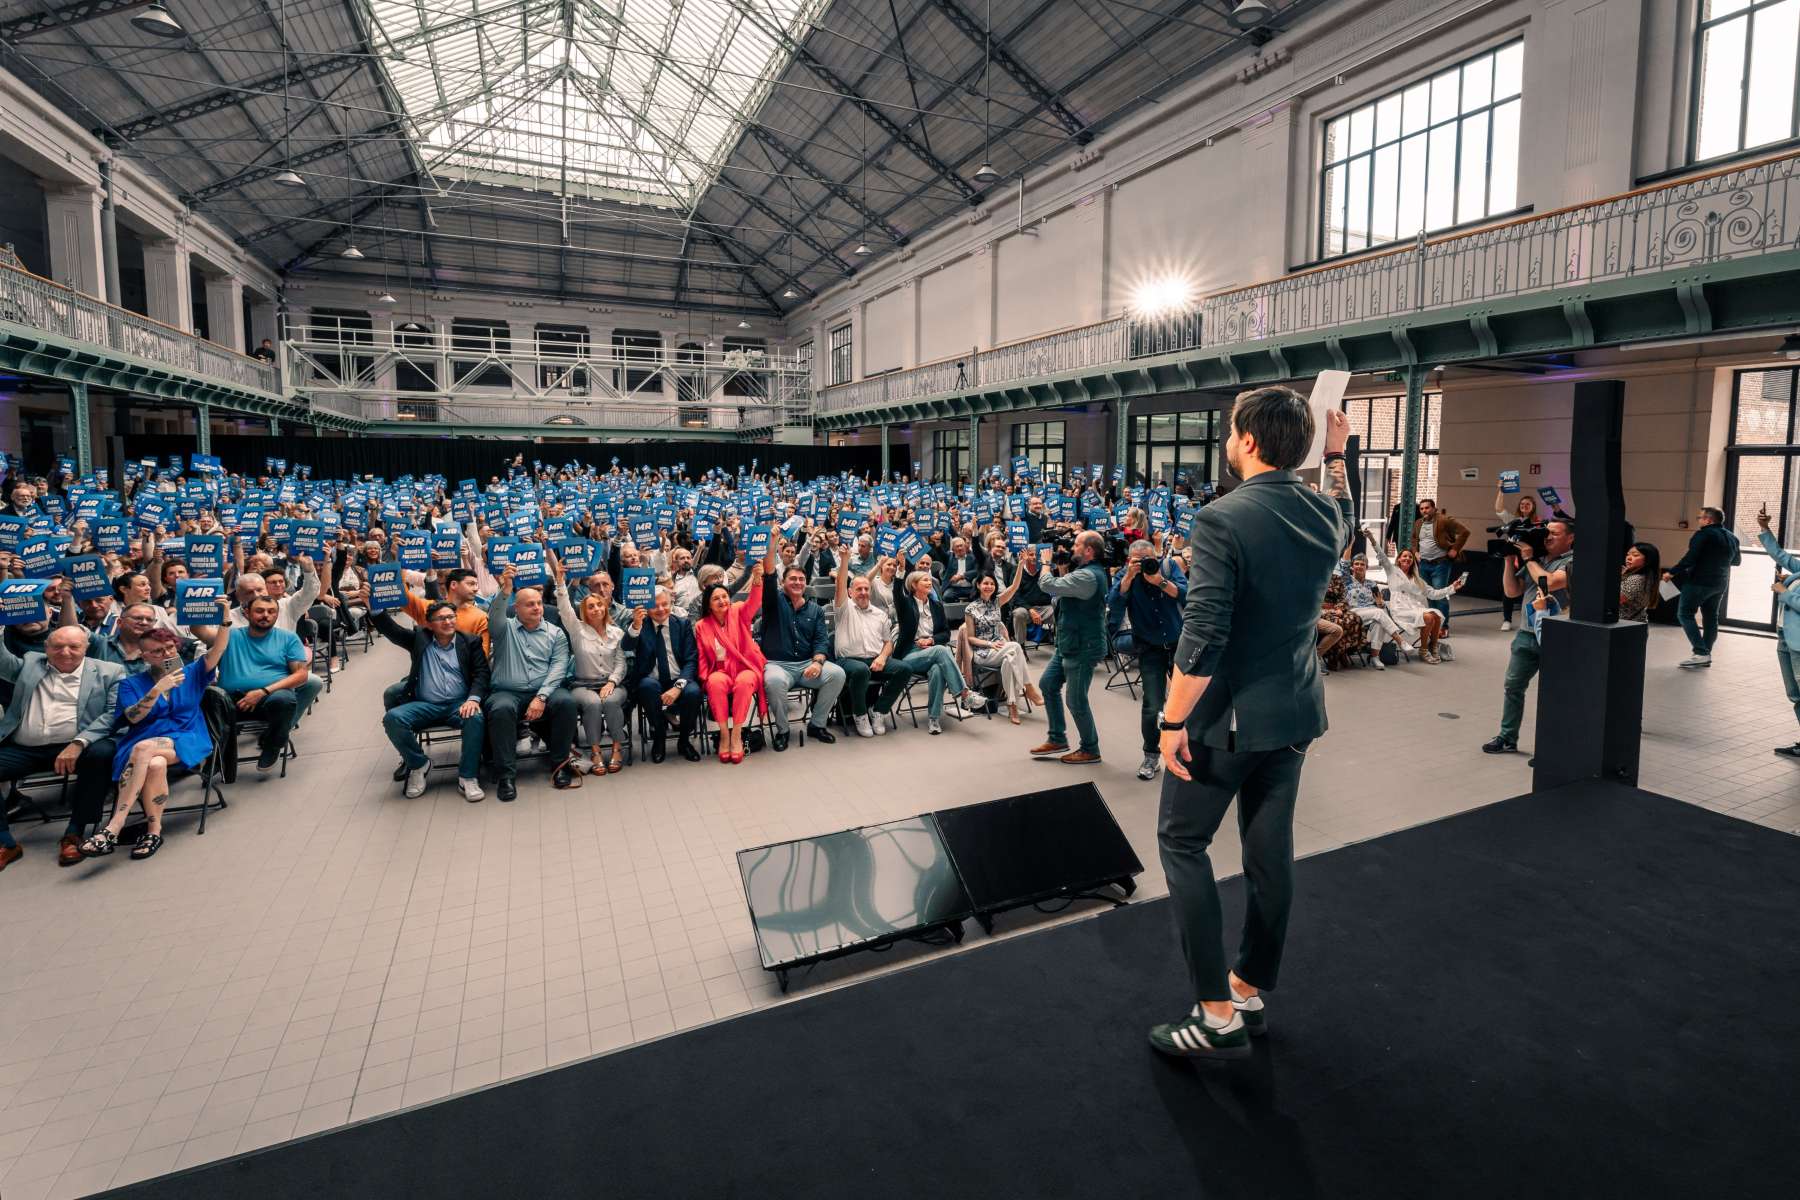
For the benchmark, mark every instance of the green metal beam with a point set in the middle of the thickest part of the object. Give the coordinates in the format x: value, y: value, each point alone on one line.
x: 203, y: 428
x: 884, y: 450
x: 1409, y: 453
x: 84, y: 442
x: 1122, y: 437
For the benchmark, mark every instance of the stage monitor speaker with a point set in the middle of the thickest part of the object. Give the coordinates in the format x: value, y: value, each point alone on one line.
x: 1039, y: 846
x: 821, y: 897
x: 1591, y: 683
x: 1595, y: 440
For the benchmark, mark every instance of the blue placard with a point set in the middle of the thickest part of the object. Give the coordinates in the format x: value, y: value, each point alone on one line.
x: 643, y: 533
x: 22, y: 601
x: 887, y: 540
x: 412, y: 549
x: 1551, y: 496
x: 307, y: 537
x: 152, y: 512
x: 1184, y: 521
x: 529, y: 566
x: 577, y: 556
x: 87, y: 576
x: 1018, y: 535
x: 12, y: 533
x: 110, y: 535
x: 446, y: 549
x: 39, y: 554
x: 1509, y: 481
x: 197, y: 601
x: 848, y: 525
x: 639, y: 587
x: 756, y: 544
x: 206, y: 555
x: 386, y: 591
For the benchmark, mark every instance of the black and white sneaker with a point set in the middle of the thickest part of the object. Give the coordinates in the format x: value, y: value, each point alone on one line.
x: 1150, y: 766
x: 1195, y: 1036
x: 1499, y: 745
x: 1792, y: 751
x: 1254, y: 1012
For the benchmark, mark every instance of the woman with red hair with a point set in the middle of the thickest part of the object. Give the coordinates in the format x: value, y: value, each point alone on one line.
x: 731, y: 663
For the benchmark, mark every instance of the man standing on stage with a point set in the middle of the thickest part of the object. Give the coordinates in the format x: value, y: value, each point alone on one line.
x: 1245, y: 703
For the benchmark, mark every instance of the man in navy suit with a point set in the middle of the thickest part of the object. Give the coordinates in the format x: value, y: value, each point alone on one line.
x: 666, y: 663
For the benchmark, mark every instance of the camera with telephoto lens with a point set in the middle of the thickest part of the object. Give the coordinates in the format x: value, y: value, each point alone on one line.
x: 1515, y: 533
x: 1149, y: 567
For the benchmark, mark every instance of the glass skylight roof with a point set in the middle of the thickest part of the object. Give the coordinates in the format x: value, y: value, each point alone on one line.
x: 640, y: 100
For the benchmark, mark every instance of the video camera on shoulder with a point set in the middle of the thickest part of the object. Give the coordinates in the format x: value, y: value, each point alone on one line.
x: 1509, y: 537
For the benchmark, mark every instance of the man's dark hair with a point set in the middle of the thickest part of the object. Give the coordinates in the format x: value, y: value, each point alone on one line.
x: 1717, y: 515
x: 437, y: 606
x: 1280, y: 420
x: 458, y: 574
x: 122, y: 583
x: 1566, y: 522
x: 272, y: 572
x: 262, y: 598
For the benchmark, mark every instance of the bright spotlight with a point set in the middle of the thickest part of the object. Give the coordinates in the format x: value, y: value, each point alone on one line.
x: 1163, y: 296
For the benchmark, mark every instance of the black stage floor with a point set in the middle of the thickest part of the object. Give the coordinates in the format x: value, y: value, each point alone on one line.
x: 1589, y: 992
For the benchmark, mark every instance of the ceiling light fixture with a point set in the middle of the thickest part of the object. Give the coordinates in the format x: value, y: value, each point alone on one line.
x: 287, y: 179
x: 790, y: 294
x: 350, y: 251
x: 157, y: 22
x: 862, y: 249
x: 985, y: 173
x: 386, y: 298
x: 1251, y: 13
x: 743, y: 324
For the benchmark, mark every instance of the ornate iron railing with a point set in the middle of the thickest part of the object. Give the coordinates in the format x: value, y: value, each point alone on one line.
x: 1737, y: 213
x: 49, y: 307
x: 1730, y: 214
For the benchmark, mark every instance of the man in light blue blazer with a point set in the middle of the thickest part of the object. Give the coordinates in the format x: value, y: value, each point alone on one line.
x: 1787, y: 595
x: 60, y: 719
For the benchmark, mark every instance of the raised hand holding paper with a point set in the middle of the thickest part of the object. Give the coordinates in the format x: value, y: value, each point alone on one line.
x: 1327, y: 394
x: 639, y: 587
x: 385, y: 589
x: 197, y: 601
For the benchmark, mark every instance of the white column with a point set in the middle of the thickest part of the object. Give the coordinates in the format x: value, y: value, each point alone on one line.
x: 909, y: 350
x: 166, y: 289
x: 987, y: 305
x: 225, y: 312
x: 74, y: 227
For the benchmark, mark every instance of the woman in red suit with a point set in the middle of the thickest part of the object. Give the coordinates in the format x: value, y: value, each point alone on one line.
x: 731, y: 663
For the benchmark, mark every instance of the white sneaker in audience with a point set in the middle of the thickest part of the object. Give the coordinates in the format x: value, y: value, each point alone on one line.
x: 415, y: 782
x: 1377, y: 663
x: 1506, y: 627
x: 878, y: 723
x: 931, y: 723
x: 863, y: 728
x: 471, y: 789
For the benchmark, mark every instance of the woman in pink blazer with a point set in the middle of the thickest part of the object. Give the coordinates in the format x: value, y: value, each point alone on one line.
x: 731, y: 663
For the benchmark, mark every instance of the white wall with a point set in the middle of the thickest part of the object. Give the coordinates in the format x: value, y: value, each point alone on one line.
x: 888, y: 330
x: 1218, y: 183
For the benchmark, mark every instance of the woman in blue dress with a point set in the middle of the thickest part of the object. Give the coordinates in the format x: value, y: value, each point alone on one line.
x: 161, y: 710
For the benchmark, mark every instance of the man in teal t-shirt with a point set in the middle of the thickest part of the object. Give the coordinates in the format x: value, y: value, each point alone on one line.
x: 265, y: 672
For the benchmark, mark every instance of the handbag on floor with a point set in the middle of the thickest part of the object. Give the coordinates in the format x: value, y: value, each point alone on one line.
x: 1389, y: 654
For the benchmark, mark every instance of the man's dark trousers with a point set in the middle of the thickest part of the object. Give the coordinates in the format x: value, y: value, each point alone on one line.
x: 1266, y: 783
x: 506, y: 712
x: 93, y: 775
x: 686, y: 708
x: 1154, y: 665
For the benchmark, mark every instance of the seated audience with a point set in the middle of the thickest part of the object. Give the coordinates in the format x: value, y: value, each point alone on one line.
x: 445, y: 685
x: 530, y: 662
x: 264, y: 671
x: 984, y: 631
x: 731, y: 663
x: 597, y: 643
x: 1410, y: 598
x: 60, y: 719
x: 863, y: 638
x: 1342, y: 634
x: 164, y: 716
x: 796, y: 644
x: 1364, y: 599
x: 924, y: 639
x: 665, y: 674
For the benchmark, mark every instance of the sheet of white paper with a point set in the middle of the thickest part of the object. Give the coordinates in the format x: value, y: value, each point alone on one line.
x: 1667, y: 590
x: 1327, y: 394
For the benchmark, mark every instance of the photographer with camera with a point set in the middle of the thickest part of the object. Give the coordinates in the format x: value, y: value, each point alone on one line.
x: 1079, y: 588
x: 1513, y: 524
x: 1543, y: 578
x: 1702, y: 575
x: 1150, y: 591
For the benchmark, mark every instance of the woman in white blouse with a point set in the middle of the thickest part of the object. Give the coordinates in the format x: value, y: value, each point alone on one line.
x: 597, y: 644
x: 881, y: 583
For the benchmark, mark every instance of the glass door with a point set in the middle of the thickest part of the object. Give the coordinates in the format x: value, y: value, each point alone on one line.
x: 1762, y: 468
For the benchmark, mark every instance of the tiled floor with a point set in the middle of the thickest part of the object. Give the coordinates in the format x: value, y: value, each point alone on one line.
x: 329, y: 950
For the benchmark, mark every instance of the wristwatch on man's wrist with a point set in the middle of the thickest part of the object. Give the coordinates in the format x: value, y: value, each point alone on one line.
x: 1168, y: 726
